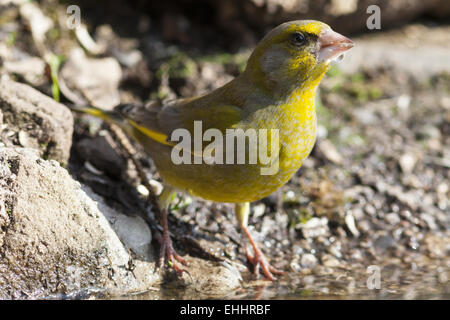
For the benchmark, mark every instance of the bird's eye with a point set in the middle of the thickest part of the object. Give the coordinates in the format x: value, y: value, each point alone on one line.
x: 298, y: 39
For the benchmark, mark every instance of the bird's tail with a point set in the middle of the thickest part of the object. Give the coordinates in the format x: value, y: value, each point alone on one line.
x: 119, y: 118
x: 110, y: 116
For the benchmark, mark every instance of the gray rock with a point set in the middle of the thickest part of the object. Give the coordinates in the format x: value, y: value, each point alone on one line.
x: 103, y: 153
x: 392, y: 218
x: 330, y: 152
x: 132, y: 230
x: 314, y: 227
x: 384, y: 242
x: 308, y: 260
x: 330, y: 261
x: 350, y: 223
x: 95, y: 80
x: 438, y: 245
x: 32, y: 69
x: 429, y: 220
x: 39, y: 122
x: 407, y: 162
x: 54, y: 239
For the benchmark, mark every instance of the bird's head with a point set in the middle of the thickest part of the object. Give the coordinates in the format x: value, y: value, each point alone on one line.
x: 295, y: 53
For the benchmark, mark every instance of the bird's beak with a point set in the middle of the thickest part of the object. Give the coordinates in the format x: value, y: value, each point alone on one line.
x: 332, y: 45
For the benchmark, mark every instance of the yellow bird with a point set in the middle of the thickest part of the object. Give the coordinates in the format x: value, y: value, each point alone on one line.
x: 274, y: 96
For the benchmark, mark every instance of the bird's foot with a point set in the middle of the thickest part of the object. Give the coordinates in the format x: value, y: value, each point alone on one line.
x: 167, y: 250
x: 258, y: 260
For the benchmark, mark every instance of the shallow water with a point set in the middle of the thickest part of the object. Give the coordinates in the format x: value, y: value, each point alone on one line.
x: 395, y: 283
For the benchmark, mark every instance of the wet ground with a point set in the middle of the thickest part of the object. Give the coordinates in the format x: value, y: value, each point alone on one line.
x: 366, y: 217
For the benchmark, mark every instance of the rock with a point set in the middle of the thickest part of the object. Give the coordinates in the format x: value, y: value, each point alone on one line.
x: 442, y: 188
x: 93, y: 79
x: 55, y: 240
x: 384, y: 242
x: 407, y: 198
x: 322, y: 132
x: 407, y: 162
x: 38, y: 121
x: 308, y: 260
x: 102, y: 152
x: 133, y: 231
x: 38, y: 23
x: 438, y: 245
x: 330, y: 261
x: 365, y: 116
x: 392, y: 218
x: 330, y: 152
x: 259, y: 210
x: 314, y: 227
x: 350, y: 223
x: 403, y: 102
x: 59, y: 239
x: 32, y: 69
x: 211, y: 278
x: 429, y: 220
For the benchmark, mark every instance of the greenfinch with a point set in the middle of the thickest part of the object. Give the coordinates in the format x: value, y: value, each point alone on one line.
x: 275, y: 94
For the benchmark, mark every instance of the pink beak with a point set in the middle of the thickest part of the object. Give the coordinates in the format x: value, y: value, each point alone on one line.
x: 332, y: 44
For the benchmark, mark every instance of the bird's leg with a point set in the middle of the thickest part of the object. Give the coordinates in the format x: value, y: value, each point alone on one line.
x: 242, y: 211
x: 167, y: 249
x: 160, y: 204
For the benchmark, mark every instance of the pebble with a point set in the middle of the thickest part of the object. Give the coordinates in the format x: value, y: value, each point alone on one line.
x: 308, y: 260
x: 403, y: 102
x: 258, y: 210
x: 330, y: 261
x: 330, y: 152
x: 321, y: 132
x: 442, y: 188
x: 314, y: 227
x: 350, y: 223
x: 392, y: 218
x: 383, y: 242
x: 364, y: 225
x: 142, y: 190
x: 365, y: 116
x: 370, y: 209
x: 429, y: 220
x: 407, y: 162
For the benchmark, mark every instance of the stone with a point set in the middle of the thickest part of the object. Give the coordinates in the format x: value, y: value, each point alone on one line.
x: 32, y: 69
x: 55, y: 241
x: 429, y: 220
x: 392, y: 218
x: 95, y: 80
x: 330, y: 261
x: 102, y: 152
x: 132, y: 230
x: 330, y: 152
x: 38, y: 121
x: 407, y: 162
x: 58, y: 239
x: 314, y: 227
x: 308, y: 260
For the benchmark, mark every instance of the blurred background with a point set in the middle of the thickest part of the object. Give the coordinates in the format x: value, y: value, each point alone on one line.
x: 376, y: 188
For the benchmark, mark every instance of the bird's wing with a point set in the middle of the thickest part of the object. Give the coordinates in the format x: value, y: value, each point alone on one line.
x: 158, y: 120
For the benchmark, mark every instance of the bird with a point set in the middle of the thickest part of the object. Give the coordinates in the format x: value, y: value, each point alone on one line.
x: 274, y: 94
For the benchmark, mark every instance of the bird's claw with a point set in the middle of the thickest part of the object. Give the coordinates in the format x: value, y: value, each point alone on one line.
x: 258, y: 260
x: 173, y: 257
